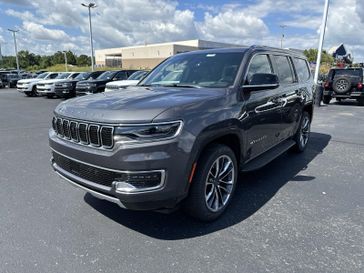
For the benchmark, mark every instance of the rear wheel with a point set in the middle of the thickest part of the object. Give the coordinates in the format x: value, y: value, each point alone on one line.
x: 303, y: 133
x: 214, y: 183
x: 326, y: 99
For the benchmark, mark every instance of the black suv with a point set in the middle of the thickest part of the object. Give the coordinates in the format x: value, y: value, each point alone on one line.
x: 165, y: 143
x: 98, y: 85
x: 67, y: 89
x: 344, y: 84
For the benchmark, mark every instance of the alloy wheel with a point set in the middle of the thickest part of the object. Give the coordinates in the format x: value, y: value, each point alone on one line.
x: 219, y: 183
x: 305, y: 131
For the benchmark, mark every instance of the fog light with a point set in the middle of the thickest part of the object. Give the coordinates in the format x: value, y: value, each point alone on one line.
x: 139, y: 181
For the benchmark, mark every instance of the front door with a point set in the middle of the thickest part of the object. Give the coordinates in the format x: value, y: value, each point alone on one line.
x: 262, y: 118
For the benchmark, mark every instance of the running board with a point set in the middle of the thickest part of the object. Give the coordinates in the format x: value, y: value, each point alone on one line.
x: 268, y: 156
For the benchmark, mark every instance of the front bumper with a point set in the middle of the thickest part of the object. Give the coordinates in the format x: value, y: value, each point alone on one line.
x: 23, y: 88
x: 45, y: 90
x: 166, y: 156
x: 63, y: 91
x: 85, y: 90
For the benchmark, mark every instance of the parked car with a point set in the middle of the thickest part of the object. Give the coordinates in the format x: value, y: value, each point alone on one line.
x: 12, y: 79
x: 1, y: 84
x: 344, y: 83
x: 158, y: 145
x: 98, y: 85
x: 29, y: 86
x: 133, y: 80
x: 67, y: 88
x: 47, y: 87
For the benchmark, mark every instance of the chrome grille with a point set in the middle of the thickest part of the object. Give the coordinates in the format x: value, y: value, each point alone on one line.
x: 84, y: 133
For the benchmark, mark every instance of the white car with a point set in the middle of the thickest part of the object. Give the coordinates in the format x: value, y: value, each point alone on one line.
x: 133, y: 80
x: 29, y: 86
x: 46, y: 87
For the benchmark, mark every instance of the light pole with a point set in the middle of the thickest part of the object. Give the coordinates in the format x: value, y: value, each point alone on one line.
x: 89, y: 6
x: 321, y: 41
x: 65, y: 60
x: 16, y: 48
x: 282, y: 37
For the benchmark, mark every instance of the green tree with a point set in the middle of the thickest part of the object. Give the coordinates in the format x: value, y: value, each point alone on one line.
x: 311, y: 55
x: 83, y: 60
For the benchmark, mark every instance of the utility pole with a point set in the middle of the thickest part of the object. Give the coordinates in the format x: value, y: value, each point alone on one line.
x: 321, y: 41
x: 16, y: 48
x: 90, y: 6
x: 282, y: 37
x: 65, y: 60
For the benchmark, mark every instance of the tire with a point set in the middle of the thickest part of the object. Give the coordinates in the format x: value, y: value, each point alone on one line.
x: 34, y: 91
x: 29, y: 94
x: 50, y: 96
x: 302, y: 135
x: 208, y: 196
x: 341, y: 85
x: 361, y: 101
x: 326, y: 99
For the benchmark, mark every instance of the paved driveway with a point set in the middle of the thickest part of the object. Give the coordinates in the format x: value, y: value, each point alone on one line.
x: 301, y: 213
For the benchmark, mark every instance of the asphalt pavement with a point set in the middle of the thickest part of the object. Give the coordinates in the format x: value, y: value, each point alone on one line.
x: 300, y: 213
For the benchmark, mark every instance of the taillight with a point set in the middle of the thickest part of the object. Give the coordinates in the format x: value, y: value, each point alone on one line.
x: 326, y: 85
x: 360, y: 86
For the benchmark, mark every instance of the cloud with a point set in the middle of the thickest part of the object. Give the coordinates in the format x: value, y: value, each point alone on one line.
x: 39, y: 32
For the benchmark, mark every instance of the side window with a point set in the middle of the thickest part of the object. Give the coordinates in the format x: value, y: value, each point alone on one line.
x: 52, y: 76
x: 121, y: 76
x: 74, y: 75
x: 259, y: 64
x: 283, y: 68
x: 302, y: 69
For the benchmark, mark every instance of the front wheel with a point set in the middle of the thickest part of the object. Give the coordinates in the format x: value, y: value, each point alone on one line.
x: 303, y: 133
x: 214, y: 183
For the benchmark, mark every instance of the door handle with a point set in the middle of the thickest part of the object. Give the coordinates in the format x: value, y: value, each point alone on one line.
x: 271, y: 105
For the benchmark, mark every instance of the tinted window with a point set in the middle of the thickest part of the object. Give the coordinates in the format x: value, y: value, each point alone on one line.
x: 259, y: 64
x: 302, y: 69
x: 107, y: 75
x: 52, y: 76
x: 121, y: 76
x: 284, y: 70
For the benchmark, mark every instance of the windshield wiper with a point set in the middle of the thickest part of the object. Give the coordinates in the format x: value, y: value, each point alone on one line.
x: 181, y: 85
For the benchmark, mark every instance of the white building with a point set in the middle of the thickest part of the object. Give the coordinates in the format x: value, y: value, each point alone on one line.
x: 148, y: 56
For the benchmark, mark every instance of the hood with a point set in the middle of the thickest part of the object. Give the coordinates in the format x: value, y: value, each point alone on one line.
x: 133, y: 105
x: 29, y: 80
x: 50, y: 81
x: 123, y: 83
x: 93, y: 81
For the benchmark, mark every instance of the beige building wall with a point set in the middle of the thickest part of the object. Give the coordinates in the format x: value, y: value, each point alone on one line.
x: 148, y: 56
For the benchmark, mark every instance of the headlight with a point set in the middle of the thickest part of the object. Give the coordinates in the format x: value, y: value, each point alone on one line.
x: 148, y: 132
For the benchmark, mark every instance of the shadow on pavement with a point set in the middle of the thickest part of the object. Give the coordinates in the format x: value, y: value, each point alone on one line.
x: 254, y: 190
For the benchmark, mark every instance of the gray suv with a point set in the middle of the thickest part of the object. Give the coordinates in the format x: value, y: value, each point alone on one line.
x: 183, y: 140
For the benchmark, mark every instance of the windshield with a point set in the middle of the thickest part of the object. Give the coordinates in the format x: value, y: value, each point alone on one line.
x: 83, y: 76
x: 107, y: 75
x: 42, y: 76
x: 63, y: 76
x: 216, y: 70
x: 137, y: 75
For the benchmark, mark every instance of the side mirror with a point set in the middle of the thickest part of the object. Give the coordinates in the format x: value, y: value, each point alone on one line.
x: 262, y: 81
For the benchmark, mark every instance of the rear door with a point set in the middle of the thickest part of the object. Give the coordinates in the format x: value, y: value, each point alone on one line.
x: 262, y: 118
x: 289, y: 95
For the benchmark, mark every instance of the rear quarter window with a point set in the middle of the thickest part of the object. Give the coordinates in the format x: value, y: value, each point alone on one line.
x: 283, y: 69
x: 302, y: 69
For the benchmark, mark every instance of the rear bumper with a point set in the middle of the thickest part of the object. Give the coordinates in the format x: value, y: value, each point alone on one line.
x: 352, y: 95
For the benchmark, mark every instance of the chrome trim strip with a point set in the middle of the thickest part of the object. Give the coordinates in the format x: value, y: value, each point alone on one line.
x: 92, y: 192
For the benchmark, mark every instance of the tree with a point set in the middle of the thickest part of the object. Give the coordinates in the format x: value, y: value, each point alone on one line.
x: 83, y: 60
x: 311, y: 55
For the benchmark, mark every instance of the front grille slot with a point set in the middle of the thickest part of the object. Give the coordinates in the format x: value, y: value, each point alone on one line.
x: 66, y: 129
x: 94, y: 135
x: 106, y: 136
x: 84, y: 133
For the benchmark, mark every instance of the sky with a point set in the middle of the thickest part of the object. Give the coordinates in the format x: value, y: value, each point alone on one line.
x: 46, y: 26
